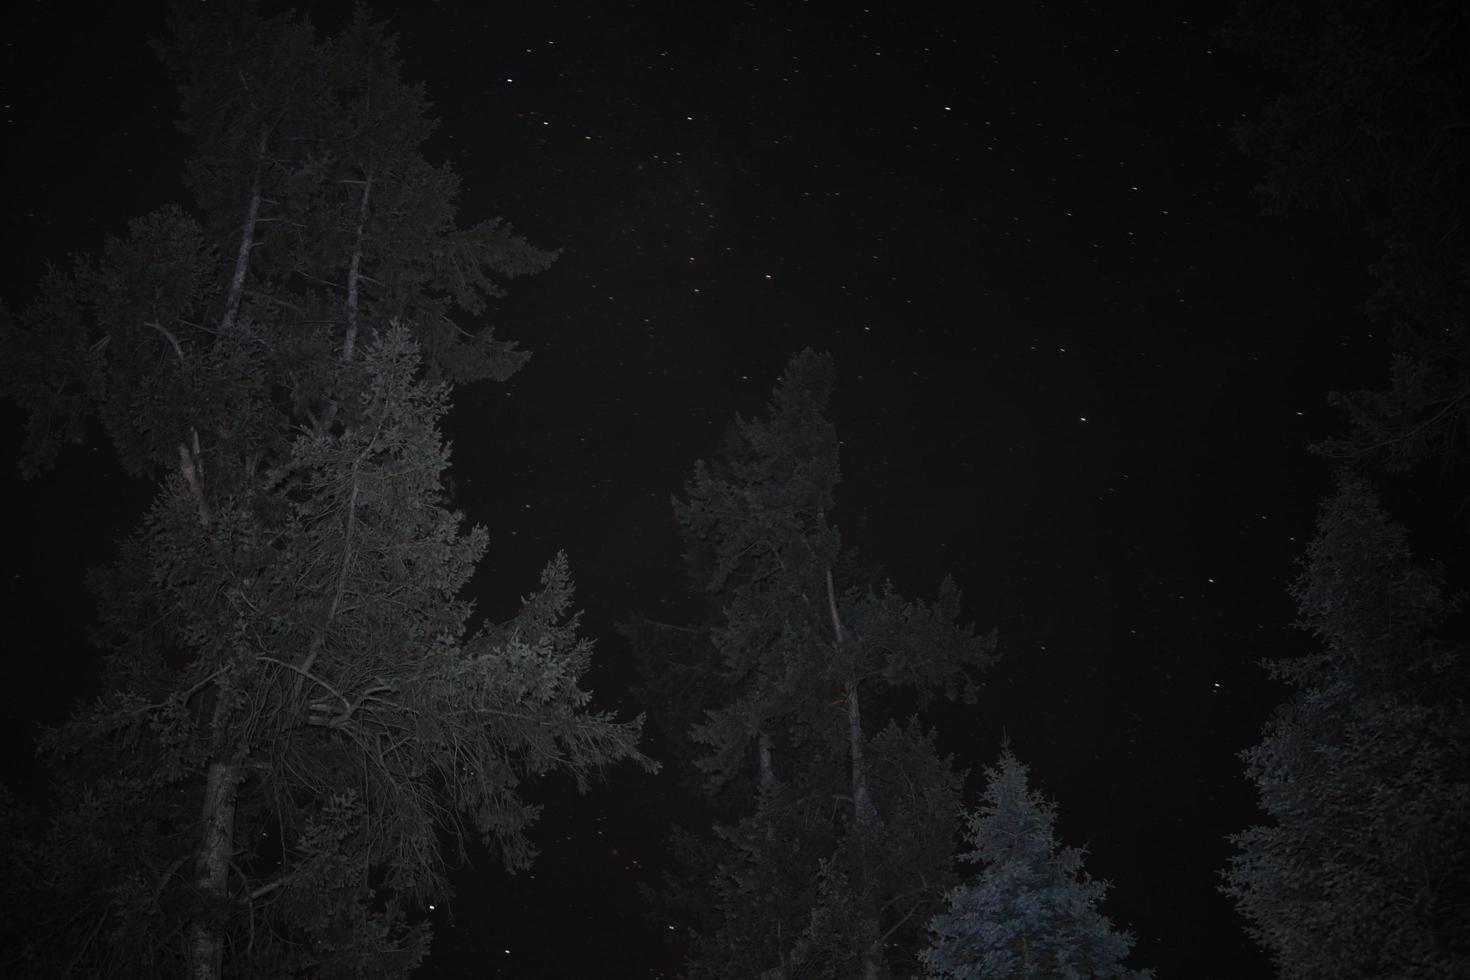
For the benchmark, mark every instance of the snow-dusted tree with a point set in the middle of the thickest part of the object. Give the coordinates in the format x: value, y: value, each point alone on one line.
x: 1364, y: 870
x: 1031, y: 911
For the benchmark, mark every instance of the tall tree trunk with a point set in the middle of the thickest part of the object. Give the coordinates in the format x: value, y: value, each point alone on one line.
x: 354, y: 271
x: 864, y: 815
x: 863, y: 812
x: 319, y: 638
x: 247, y: 242
x: 212, y: 865
x: 872, y: 956
x: 862, y: 803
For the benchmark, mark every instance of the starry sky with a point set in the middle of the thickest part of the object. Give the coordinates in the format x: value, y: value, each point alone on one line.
x: 1076, y: 367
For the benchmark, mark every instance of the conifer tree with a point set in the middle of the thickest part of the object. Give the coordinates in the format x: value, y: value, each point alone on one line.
x: 1360, y: 869
x: 1365, y: 771
x: 317, y: 211
x: 1370, y: 121
x: 1032, y: 910
x: 838, y: 814
x: 293, y: 721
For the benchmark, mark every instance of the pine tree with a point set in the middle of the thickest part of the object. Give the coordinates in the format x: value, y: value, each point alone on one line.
x: 1032, y: 910
x: 1365, y: 771
x: 1370, y: 120
x: 838, y: 817
x: 293, y: 720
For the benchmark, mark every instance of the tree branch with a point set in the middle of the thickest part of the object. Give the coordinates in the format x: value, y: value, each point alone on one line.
x: 304, y: 672
x: 169, y: 335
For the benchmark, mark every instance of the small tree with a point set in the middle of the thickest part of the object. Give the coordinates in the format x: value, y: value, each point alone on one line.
x: 1032, y: 911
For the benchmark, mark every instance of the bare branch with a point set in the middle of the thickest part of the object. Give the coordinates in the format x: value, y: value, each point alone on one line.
x: 306, y: 674
x: 168, y: 334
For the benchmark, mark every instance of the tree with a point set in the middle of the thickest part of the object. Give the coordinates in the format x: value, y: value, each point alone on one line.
x: 319, y: 213
x: 294, y: 723
x: 804, y: 888
x: 837, y: 816
x: 1361, y: 772
x: 323, y: 698
x: 1032, y: 911
x: 1373, y: 120
x: 1362, y: 871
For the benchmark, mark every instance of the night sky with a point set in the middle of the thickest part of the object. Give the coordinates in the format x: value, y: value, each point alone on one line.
x: 1076, y: 367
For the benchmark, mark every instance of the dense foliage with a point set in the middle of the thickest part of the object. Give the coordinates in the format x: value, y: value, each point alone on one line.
x: 1032, y: 910
x: 1365, y: 771
x: 1371, y: 118
x: 1361, y: 868
x: 835, y: 811
x: 294, y: 724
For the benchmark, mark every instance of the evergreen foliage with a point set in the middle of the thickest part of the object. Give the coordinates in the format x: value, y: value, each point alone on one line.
x: 1365, y: 771
x: 293, y: 723
x: 319, y: 219
x: 1373, y: 120
x: 1362, y: 866
x: 836, y: 812
x: 1032, y: 910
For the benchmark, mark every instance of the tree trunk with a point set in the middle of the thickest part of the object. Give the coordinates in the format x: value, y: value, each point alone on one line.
x: 768, y: 771
x: 354, y: 272
x: 247, y: 242
x: 212, y: 866
x: 863, y: 811
x: 862, y: 804
x: 864, y: 815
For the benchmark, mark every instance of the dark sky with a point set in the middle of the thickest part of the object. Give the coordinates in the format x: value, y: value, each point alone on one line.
x: 1077, y: 368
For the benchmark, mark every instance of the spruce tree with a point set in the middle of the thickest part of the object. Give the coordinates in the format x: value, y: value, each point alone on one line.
x: 1365, y: 771
x: 1032, y: 911
x: 293, y: 721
